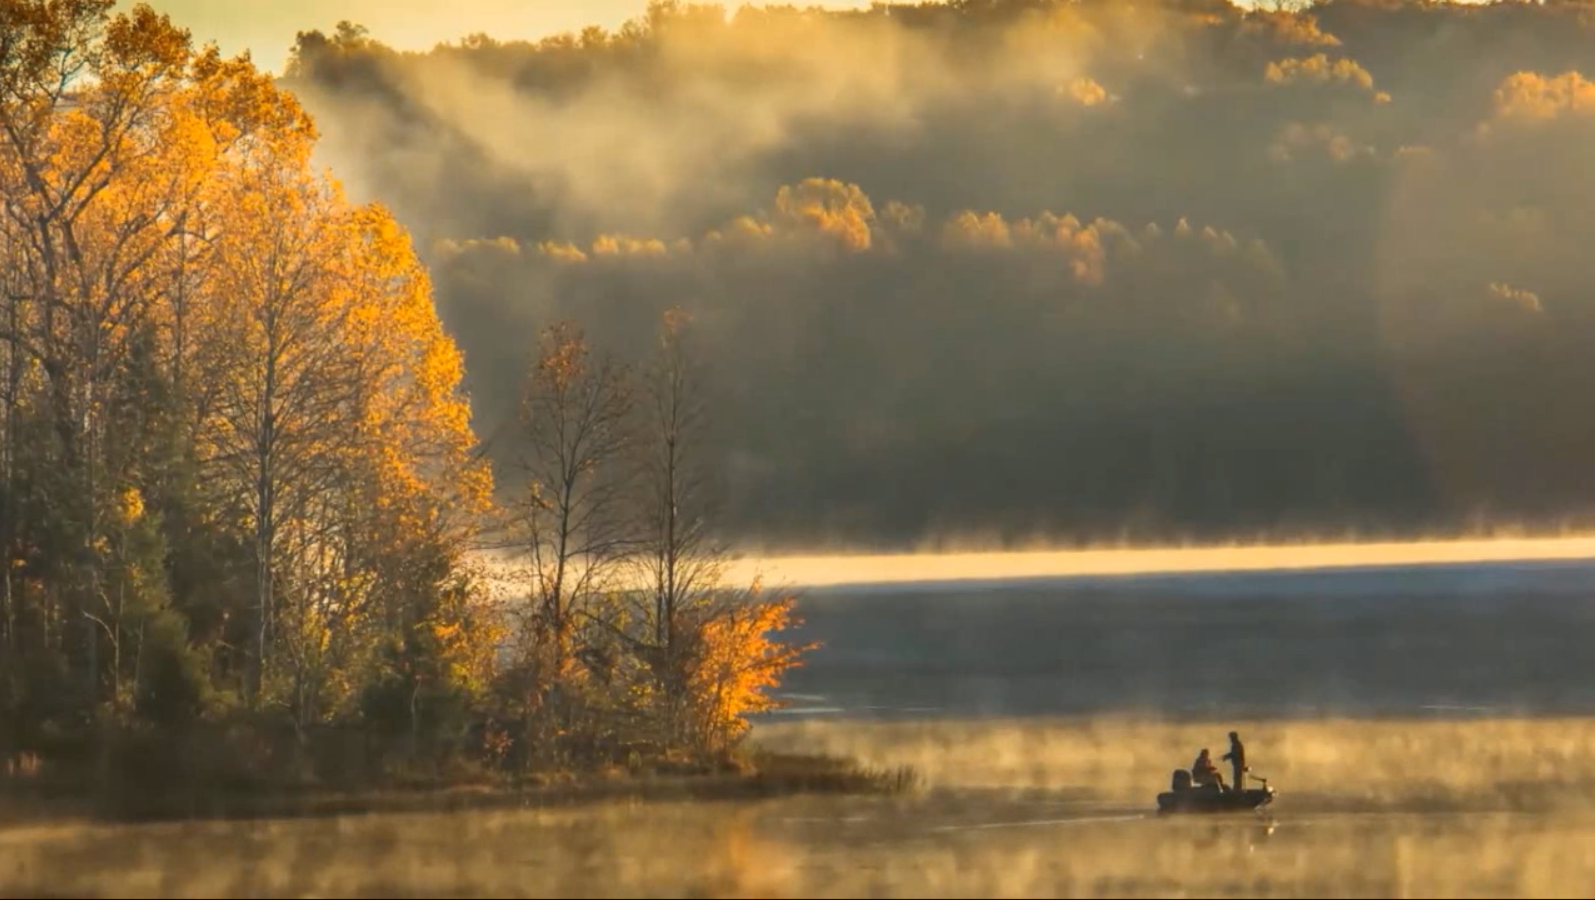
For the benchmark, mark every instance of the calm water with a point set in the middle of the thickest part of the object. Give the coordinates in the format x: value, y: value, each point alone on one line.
x: 1492, y: 639
x: 807, y: 848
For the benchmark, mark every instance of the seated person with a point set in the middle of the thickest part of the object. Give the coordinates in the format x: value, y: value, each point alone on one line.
x: 1204, y: 773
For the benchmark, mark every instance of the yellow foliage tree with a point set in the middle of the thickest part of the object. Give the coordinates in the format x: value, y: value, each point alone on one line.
x: 734, y: 659
x: 227, y: 393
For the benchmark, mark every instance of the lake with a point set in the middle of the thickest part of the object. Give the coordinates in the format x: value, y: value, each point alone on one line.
x: 1429, y: 730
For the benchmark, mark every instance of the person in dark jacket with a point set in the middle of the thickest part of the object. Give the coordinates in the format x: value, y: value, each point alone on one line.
x: 1204, y: 773
x: 1237, y: 759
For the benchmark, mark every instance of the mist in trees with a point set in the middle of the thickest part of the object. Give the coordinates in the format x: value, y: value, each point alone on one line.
x: 734, y: 280
x: 241, y: 497
x: 1059, y: 270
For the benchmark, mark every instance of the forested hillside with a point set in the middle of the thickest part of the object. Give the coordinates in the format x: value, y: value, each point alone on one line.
x: 1069, y: 269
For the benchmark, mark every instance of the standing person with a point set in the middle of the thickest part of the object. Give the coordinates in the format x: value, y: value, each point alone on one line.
x: 1237, y: 758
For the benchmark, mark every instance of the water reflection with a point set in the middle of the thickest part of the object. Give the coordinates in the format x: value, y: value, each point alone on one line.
x: 813, y: 847
x: 1244, y: 834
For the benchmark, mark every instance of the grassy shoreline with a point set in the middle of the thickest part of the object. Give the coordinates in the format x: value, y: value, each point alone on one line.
x: 760, y: 773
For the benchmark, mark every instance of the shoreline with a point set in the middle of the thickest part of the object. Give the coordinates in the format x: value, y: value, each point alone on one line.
x: 26, y: 802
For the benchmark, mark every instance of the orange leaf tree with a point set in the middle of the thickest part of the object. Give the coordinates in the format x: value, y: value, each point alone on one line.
x: 734, y: 657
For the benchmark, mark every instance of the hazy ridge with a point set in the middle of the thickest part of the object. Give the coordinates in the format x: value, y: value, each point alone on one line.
x: 1034, y: 268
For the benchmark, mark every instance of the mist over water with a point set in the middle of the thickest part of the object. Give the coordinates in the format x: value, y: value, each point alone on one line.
x: 1427, y: 729
x: 1088, y: 276
x: 972, y: 567
x: 826, y: 849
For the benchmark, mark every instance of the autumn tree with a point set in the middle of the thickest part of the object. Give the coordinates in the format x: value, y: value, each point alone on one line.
x: 680, y: 560
x: 274, y: 431
x: 94, y: 157
x: 572, y: 522
x: 734, y: 656
x: 712, y: 649
x: 234, y: 455
x: 680, y: 557
x: 238, y: 475
x: 340, y: 428
x: 422, y: 498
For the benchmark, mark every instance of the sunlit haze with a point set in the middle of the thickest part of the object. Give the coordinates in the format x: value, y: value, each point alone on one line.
x: 940, y: 431
x: 267, y: 27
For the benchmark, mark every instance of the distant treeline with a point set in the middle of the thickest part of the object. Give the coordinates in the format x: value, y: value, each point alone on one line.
x: 239, y: 487
x: 1067, y: 268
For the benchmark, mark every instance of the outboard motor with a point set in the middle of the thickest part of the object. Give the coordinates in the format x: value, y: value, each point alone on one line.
x: 1182, y: 780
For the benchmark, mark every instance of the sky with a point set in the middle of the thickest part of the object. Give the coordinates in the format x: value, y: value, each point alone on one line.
x: 267, y: 27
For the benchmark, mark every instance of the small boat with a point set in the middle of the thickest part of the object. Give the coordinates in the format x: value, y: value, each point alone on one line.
x: 1183, y: 797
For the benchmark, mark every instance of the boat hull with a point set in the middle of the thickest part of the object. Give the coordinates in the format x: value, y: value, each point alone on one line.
x: 1202, y: 800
